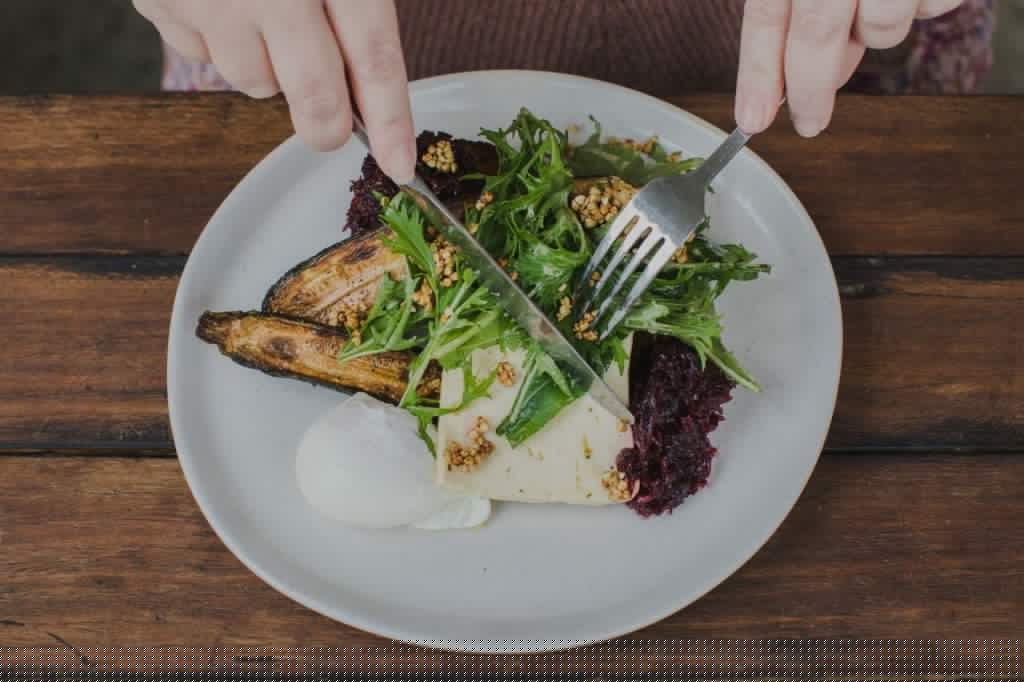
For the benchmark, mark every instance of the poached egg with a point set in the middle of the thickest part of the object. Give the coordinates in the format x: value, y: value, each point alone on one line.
x: 363, y: 464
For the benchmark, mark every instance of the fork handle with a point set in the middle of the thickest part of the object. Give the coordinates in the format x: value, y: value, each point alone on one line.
x: 725, y: 153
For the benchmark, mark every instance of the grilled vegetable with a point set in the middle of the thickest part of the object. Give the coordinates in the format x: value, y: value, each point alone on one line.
x: 296, y: 349
x: 343, y: 276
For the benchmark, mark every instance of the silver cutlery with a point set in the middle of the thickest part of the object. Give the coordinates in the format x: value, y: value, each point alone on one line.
x: 644, y: 237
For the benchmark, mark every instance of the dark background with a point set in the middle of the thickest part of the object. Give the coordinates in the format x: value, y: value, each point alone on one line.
x: 104, y: 46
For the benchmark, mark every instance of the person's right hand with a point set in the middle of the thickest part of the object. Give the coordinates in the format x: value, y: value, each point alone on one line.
x: 314, y: 51
x: 809, y: 49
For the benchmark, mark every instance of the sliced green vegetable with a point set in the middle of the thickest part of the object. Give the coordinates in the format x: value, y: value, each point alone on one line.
x: 544, y: 392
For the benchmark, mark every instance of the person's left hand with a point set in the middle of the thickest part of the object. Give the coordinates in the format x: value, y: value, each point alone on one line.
x: 808, y: 49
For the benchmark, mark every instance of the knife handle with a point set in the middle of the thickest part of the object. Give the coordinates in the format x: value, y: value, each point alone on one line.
x: 359, y: 129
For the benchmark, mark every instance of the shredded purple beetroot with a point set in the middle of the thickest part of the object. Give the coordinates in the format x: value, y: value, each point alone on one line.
x: 676, y: 404
x: 364, y: 213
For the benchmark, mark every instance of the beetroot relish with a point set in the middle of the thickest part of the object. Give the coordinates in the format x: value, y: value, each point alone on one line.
x: 676, y: 405
x: 364, y: 213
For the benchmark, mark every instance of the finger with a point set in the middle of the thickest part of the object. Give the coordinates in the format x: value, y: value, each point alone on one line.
x: 185, y: 40
x: 242, y: 59
x: 818, y: 37
x: 853, y: 55
x: 308, y: 64
x: 882, y: 24
x: 760, y: 83
x: 370, y: 42
x: 929, y: 9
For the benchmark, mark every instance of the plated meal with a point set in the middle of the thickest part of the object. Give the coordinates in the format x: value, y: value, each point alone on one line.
x: 452, y: 404
x: 332, y: 497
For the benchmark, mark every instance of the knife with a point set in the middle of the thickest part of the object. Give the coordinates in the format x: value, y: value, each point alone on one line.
x: 515, y: 302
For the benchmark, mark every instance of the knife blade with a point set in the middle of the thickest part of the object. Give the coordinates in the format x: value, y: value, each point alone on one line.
x: 515, y: 302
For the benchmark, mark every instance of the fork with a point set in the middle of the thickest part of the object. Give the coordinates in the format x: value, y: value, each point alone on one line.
x: 658, y: 222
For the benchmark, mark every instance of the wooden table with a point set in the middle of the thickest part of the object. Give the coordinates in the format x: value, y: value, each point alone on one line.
x: 912, y: 525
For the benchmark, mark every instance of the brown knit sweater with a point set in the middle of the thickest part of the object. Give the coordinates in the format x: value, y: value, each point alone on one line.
x: 659, y: 46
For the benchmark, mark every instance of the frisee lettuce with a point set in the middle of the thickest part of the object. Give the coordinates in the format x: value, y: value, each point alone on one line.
x: 599, y: 158
x: 529, y: 226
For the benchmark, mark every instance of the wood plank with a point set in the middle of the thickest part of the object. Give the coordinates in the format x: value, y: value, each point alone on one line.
x: 86, y: 351
x: 904, y: 176
x: 124, y: 174
x: 113, y: 551
x: 130, y: 174
x: 933, y: 355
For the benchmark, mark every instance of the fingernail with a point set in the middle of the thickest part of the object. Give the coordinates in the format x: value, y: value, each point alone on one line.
x: 807, y: 127
x: 262, y: 92
x: 751, y: 117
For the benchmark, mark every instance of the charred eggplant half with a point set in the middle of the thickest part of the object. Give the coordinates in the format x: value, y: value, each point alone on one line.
x: 343, y: 276
x: 296, y: 349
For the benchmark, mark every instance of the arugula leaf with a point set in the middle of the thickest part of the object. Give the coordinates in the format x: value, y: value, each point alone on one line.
x: 597, y: 158
x: 473, y: 389
x: 391, y: 323
x: 408, y: 238
x: 462, y: 313
x: 546, y: 272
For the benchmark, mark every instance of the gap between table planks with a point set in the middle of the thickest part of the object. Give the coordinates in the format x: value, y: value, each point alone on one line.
x: 896, y: 176
x: 933, y: 357
x: 852, y: 560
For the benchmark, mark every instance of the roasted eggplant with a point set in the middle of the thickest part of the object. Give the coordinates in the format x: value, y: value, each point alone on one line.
x: 341, y: 276
x: 346, y: 274
x: 296, y: 349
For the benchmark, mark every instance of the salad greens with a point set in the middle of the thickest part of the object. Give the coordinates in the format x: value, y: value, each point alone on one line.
x: 600, y: 158
x: 528, y: 226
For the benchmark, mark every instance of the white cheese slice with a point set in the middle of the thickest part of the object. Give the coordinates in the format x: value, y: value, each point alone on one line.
x: 564, y: 462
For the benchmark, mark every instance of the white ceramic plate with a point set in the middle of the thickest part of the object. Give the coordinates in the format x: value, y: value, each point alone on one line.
x: 535, y: 577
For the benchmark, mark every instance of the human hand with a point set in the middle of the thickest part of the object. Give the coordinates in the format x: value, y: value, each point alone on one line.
x: 809, y: 49
x: 314, y: 51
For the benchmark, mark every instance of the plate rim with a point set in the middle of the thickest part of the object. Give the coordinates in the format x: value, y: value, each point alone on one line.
x: 481, y: 646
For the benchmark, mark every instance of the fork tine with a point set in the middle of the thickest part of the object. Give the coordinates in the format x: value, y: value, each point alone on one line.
x: 636, y: 238
x: 654, y: 266
x: 647, y: 247
x: 584, y: 294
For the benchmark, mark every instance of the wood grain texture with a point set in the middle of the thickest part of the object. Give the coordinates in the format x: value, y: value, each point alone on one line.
x: 118, y: 175
x: 86, y: 351
x: 877, y: 547
x: 143, y: 175
x: 933, y: 357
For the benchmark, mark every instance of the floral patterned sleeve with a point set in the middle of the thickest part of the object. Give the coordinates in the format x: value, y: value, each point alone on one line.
x: 951, y: 54
x: 181, y: 75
